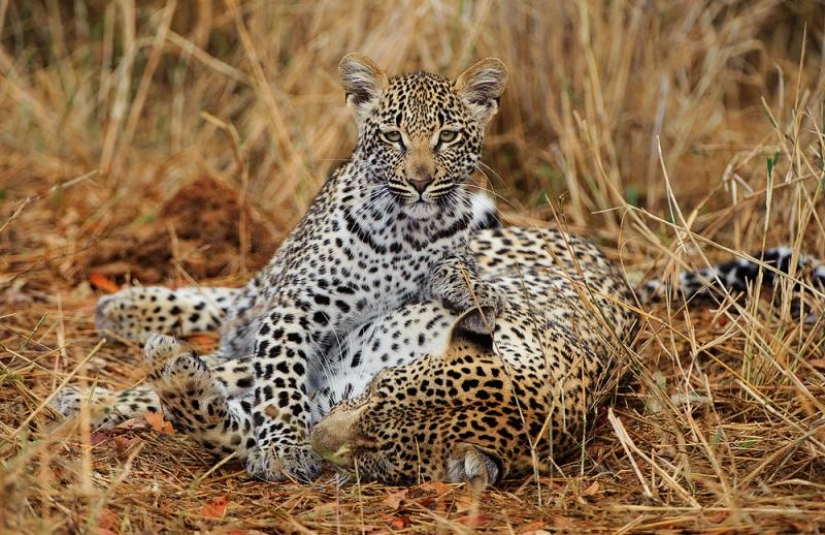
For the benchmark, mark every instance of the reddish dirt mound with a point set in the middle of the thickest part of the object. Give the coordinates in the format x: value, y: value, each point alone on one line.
x: 197, y: 234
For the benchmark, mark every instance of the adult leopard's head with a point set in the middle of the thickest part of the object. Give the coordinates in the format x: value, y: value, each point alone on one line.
x: 420, y: 135
x: 452, y: 416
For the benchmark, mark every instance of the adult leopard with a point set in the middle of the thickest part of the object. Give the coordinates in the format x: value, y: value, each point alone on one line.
x: 389, y: 227
x: 477, y: 401
x: 423, y: 392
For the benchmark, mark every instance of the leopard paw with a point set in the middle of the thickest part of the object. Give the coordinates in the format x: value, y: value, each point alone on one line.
x: 283, y: 461
x: 159, y: 350
x: 481, y: 296
x: 183, y: 383
x: 67, y: 402
x: 107, y: 409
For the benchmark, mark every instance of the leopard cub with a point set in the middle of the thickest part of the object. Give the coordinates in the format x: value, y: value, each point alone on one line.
x: 389, y: 227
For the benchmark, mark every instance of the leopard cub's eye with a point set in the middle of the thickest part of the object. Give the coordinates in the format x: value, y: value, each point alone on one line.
x: 392, y: 136
x: 446, y: 136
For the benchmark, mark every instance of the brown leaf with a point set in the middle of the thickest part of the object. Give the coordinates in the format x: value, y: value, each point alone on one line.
x: 122, y: 442
x: 394, y: 499
x: 426, y: 502
x: 97, y: 438
x: 106, y: 523
x: 160, y: 425
x: 216, y: 508
x: 564, y: 523
x: 592, y: 490
x: 464, y: 503
x: 718, y: 516
x: 531, y: 528
x: 133, y: 424
x: 400, y: 522
x: 475, y: 520
x: 107, y: 518
x: 103, y: 283
x: 437, y: 487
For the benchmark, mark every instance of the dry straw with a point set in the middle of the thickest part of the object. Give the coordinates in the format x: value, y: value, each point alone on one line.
x: 673, y: 133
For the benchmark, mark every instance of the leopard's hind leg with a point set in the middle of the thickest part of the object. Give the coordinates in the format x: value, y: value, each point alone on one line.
x: 109, y: 408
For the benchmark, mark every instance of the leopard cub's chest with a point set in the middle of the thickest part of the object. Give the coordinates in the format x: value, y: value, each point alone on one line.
x: 387, y: 277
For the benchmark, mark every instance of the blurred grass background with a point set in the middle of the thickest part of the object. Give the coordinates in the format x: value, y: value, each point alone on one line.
x: 148, y: 94
x: 668, y: 131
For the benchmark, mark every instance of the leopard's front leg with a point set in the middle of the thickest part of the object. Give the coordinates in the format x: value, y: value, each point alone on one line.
x: 286, y: 344
x: 454, y: 280
x: 214, y: 408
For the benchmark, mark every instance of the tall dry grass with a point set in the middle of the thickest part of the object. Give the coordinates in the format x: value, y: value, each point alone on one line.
x: 672, y: 132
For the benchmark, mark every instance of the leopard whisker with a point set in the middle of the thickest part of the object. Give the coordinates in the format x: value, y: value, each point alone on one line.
x: 495, y: 174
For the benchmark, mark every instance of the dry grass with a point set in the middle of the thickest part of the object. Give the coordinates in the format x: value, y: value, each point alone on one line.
x: 669, y: 132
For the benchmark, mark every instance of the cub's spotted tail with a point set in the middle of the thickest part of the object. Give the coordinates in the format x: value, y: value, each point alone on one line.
x: 737, y: 275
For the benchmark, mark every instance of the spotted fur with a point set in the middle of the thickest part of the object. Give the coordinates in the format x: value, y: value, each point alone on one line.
x: 389, y: 227
x: 483, y: 404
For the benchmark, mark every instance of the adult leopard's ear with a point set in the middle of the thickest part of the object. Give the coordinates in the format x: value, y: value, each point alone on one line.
x: 481, y: 86
x: 476, y: 326
x: 364, y: 84
x: 477, y: 466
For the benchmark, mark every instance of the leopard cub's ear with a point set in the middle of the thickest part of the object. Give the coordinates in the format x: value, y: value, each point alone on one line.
x: 481, y: 86
x: 364, y: 84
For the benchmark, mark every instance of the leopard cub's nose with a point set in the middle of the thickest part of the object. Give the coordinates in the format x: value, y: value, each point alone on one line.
x: 420, y: 184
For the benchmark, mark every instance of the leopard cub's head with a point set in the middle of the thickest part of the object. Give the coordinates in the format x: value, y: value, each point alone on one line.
x: 420, y: 135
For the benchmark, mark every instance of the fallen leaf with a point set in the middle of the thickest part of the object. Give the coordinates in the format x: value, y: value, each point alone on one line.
x: 216, y: 508
x: 97, y: 438
x: 400, y: 522
x: 426, y: 502
x: 122, y: 443
x: 531, y: 528
x: 817, y: 363
x: 160, y: 425
x: 107, y: 518
x: 103, y: 283
x: 133, y: 424
x: 564, y: 523
x: 106, y: 522
x: 592, y: 490
x: 464, y: 503
x: 394, y: 499
x: 475, y: 520
x: 718, y: 516
x: 438, y: 487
